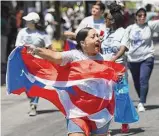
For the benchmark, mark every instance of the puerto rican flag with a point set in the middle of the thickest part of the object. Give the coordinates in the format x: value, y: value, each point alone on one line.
x: 69, y: 45
x: 82, y: 90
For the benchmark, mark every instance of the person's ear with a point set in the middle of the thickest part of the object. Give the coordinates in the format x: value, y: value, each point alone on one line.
x: 82, y: 43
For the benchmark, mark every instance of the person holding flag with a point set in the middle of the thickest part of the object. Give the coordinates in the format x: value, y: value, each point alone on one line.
x: 34, y: 34
x: 74, y: 81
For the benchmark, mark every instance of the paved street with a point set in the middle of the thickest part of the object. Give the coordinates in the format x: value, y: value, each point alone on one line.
x: 50, y: 122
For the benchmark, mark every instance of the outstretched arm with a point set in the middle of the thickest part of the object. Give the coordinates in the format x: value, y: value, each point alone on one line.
x: 70, y: 34
x: 48, y: 54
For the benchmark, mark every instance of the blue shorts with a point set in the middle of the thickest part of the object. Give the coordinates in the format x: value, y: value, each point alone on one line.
x: 73, y: 128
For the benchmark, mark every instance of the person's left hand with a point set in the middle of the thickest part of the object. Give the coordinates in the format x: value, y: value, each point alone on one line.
x: 120, y: 77
x: 113, y: 59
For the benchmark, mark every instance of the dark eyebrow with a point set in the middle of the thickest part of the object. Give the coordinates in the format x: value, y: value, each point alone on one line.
x: 94, y: 34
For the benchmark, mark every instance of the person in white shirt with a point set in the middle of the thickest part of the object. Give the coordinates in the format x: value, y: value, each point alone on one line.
x: 138, y: 41
x: 33, y: 35
x: 110, y: 46
x: 50, y: 23
x: 95, y: 21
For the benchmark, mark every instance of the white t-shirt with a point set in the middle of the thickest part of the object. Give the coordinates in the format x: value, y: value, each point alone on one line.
x: 76, y: 55
x: 150, y: 15
x: 112, y: 42
x: 49, y: 18
x: 138, y: 39
x: 33, y: 37
x: 99, y: 25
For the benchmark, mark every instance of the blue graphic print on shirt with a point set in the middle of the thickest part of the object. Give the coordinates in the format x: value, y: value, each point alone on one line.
x: 29, y: 40
x: 108, y: 47
x: 137, y: 38
x: 109, y: 50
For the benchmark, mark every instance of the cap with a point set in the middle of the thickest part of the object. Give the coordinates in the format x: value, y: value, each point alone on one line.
x: 51, y: 10
x: 140, y: 9
x: 32, y: 16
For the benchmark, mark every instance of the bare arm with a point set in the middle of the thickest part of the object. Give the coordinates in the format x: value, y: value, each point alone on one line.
x: 70, y: 34
x: 120, y: 53
x: 82, y: 24
x: 48, y: 54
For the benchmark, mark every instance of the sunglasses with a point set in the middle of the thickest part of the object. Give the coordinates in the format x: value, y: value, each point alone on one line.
x: 140, y: 15
x: 32, y: 21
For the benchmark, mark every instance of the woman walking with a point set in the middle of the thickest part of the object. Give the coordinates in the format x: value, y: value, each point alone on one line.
x: 140, y: 56
x: 34, y: 34
x: 113, y: 36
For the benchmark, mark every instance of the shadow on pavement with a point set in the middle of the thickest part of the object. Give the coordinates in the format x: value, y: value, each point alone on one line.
x: 133, y: 131
x: 135, y: 100
x: 46, y: 111
x: 151, y: 107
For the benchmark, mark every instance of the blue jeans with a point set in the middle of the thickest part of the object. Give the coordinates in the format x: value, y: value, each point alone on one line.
x: 141, y: 72
x: 34, y: 100
x: 73, y: 128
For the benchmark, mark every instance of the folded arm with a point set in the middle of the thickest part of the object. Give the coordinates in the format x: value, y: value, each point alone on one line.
x: 120, y: 53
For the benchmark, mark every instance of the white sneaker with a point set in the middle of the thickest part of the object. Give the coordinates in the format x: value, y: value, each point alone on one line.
x: 140, y: 107
x: 32, y: 110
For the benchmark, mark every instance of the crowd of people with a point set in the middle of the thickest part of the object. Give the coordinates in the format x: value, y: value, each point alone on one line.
x: 105, y: 35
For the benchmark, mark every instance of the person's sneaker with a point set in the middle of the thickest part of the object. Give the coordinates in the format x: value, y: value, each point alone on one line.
x: 140, y: 107
x: 108, y: 133
x: 125, y: 128
x: 32, y: 111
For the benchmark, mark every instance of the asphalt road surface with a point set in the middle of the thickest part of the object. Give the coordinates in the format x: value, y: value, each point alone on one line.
x: 50, y: 122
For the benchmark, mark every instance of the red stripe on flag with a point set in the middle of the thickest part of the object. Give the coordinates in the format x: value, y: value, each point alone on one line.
x: 50, y: 95
x: 91, y: 124
x: 73, y: 71
x: 19, y: 91
x: 111, y: 105
x: 66, y: 46
x: 83, y: 125
x: 94, y: 103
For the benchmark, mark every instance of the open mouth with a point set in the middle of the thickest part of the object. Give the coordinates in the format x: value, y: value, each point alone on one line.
x: 97, y: 46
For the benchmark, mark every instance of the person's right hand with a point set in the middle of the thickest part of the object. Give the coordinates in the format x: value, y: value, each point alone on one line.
x: 30, y: 48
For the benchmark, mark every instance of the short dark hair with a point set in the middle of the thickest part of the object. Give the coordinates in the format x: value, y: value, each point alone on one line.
x: 105, y: 14
x: 118, y: 17
x: 81, y: 36
x: 101, y: 5
x: 148, y: 7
